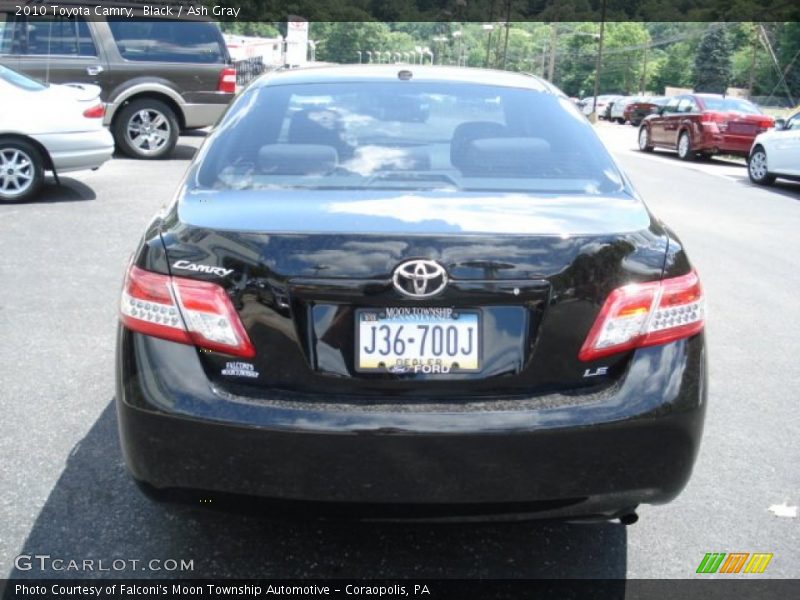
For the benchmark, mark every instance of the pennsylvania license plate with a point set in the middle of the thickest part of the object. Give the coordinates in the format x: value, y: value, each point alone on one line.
x: 418, y: 340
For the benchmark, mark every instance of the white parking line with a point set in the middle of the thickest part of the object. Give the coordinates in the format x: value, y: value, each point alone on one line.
x: 707, y: 169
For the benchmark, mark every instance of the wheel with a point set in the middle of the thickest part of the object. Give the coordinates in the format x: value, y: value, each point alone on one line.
x: 636, y: 123
x: 21, y: 170
x: 685, y: 151
x: 757, y: 168
x: 146, y: 128
x: 620, y: 120
x: 644, y: 140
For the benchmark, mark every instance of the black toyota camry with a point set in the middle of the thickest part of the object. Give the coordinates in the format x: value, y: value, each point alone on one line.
x: 416, y: 289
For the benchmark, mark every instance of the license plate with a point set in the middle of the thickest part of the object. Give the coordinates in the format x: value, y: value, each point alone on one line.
x: 741, y: 128
x: 418, y: 340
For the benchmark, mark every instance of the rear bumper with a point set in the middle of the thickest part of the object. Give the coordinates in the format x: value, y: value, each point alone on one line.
x: 599, y: 456
x: 736, y: 145
x: 76, y: 151
x: 204, y: 115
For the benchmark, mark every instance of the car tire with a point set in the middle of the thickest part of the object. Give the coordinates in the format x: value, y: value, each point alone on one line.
x: 645, y: 145
x: 147, y: 129
x: 21, y: 170
x: 620, y: 120
x: 685, y: 151
x: 635, y: 123
x: 757, y: 167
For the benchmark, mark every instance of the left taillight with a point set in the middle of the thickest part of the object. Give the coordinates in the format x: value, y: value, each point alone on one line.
x: 227, y: 80
x: 184, y: 311
x: 95, y: 112
x: 646, y: 314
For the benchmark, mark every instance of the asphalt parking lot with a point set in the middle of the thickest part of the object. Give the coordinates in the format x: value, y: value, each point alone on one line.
x: 66, y: 494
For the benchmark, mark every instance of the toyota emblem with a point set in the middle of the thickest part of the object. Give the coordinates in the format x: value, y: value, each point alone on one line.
x: 419, y: 278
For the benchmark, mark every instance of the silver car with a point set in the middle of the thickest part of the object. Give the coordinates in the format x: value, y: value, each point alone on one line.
x: 55, y: 128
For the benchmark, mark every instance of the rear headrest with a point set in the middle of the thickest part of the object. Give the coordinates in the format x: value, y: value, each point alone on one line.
x: 297, y: 159
x: 467, y: 132
x: 503, y: 157
x: 318, y: 126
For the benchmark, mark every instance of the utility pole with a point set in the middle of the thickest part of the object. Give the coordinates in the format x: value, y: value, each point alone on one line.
x: 508, y: 25
x: 544, y: 58
x: 765, y: 41
x: 643, y: 82
x: 551, y: 68
x: 751, y: 84
x: 490, y: 29
x: 626, y: 75
x: 599, y: 63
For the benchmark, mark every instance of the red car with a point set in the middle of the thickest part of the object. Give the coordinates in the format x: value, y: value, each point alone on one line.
x: 704, y: 124
x: 640, y: 107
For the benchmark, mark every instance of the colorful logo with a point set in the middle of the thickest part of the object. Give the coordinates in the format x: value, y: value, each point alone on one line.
x: 734, y: 562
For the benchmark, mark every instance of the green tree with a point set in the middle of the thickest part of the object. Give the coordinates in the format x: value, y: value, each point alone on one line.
x: 344, y: 40
x: 712, y: 62
x: 676, y: 68
x: 789, y: 56
x: 623, y: 57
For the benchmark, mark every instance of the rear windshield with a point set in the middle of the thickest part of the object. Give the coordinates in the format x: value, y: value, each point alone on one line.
x: 19, y: 80
x: 168, y: 41
x: 406, y: 135
x: 731, y: 105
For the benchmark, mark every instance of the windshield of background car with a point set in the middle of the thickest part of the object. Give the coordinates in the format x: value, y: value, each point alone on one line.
x: 406, y: 135
x: 731, y: 105
x: 168, y: 41
x: 19, y: 80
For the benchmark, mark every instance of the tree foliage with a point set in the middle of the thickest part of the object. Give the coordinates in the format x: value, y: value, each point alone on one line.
x: 712, y: 63
x: 637, y: 57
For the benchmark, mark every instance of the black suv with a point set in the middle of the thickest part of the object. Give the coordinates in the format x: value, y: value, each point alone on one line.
x: 158, y: 76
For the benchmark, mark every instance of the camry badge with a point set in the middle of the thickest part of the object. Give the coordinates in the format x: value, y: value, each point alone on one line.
x: 419, y: 278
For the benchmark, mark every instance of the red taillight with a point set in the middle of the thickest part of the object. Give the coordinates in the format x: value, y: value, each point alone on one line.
x: 646, y: 314
x: 95, y: 112
x: 765, y: 124
x: 183, y: 310
x: 227, y: 80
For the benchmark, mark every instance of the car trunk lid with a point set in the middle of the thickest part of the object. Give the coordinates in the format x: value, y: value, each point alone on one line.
x: 303, y: 271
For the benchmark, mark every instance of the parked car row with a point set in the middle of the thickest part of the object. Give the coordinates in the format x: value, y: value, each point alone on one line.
x: 587, y: 105
x: 621, y: 109
x: 702, y: 125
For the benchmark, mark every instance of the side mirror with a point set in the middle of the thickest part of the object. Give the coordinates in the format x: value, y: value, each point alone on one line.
x: 780, y: 124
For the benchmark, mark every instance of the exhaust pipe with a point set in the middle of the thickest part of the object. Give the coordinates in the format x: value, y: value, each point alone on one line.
x: 628, y: 518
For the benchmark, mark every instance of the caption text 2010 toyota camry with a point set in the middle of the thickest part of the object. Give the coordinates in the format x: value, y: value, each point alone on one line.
x: 422, y: 289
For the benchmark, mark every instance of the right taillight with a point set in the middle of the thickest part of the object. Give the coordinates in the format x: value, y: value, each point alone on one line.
x: 183, y: 310
x: 646, y: 314
x: 227, y: 80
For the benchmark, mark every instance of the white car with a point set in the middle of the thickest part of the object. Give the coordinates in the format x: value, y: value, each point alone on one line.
x: 56, y: 128
x: 618, y: 108
x: 776, y: 153
x: 587, y: 104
